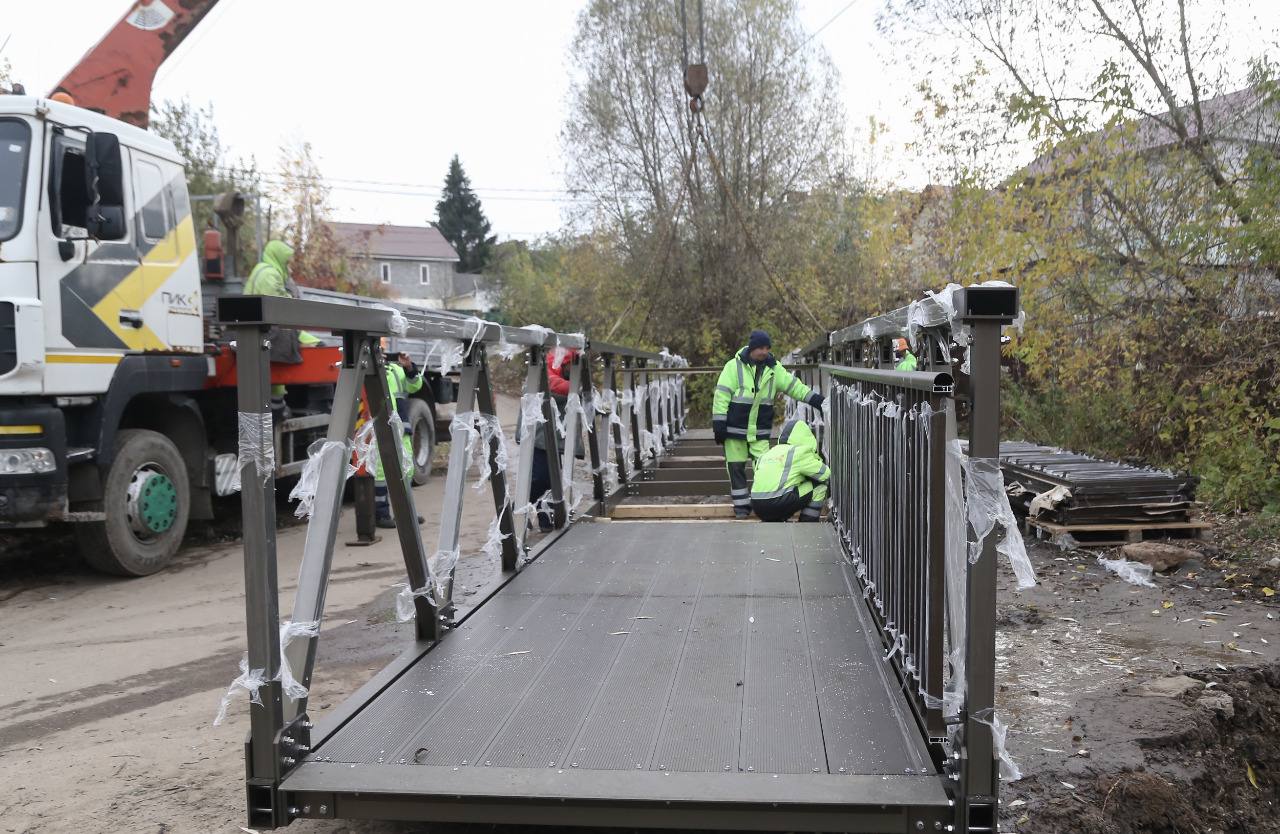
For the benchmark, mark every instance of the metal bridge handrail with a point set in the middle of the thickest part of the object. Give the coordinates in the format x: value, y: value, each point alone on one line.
x: 938, y: 382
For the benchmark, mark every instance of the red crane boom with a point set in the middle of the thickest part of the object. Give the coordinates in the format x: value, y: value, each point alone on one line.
x: 115, y: 77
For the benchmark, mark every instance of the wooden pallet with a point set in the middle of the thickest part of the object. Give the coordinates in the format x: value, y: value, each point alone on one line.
x: 1111, y: 535
x: 638, y: 512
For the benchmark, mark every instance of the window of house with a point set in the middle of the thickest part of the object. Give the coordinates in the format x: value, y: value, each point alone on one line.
x: 424, y: 274
x: 384, y: 272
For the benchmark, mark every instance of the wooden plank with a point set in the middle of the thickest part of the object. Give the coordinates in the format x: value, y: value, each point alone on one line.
x: 1102, y: 528
x: 649, y: 511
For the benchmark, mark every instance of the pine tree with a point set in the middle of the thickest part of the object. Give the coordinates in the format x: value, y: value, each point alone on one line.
x: 462, y: 221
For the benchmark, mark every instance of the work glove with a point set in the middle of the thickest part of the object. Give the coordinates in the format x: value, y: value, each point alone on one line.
x: 720, y: 429
x: 815, y: 399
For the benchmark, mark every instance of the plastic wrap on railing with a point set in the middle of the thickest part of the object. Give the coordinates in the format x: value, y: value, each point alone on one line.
x: 606, y: 401
x: 397, y: 431
x: 440, y: 565
x: 531, y: 414
x: 1009, y: 770
x: 493, y: 542
x: 443, y: 355
x: 987, y: 505
x: 250, y: 680
x: 364, y: 448
x: 399, y: 324
x: 478, y: 432
x: 405, y: 606
x: 257, y: 447
x: 304, y: 491
x: 290, y: 631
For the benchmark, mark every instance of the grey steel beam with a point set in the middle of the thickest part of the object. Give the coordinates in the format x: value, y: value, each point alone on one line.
x: 322, y: 527
x: 524, y: 469
x: 261, y: 587
x: 381, y: 407
x: 933, y: 382
x: 270, y: 311
x: 498, y: 482
x: 455, y: 477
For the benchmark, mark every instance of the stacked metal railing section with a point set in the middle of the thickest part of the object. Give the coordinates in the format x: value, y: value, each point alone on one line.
x: 919, y: 519
x: 624, y: 422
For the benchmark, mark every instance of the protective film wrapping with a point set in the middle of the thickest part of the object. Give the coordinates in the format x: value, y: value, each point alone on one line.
x: 250, y: 680
x: 256, y: 443
x: 290, y: 631
x: 304, y: 491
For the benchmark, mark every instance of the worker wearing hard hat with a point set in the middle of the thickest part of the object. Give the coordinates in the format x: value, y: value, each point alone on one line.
x: 791, y: 477
x: 904, y: 359
x: 742, y: 410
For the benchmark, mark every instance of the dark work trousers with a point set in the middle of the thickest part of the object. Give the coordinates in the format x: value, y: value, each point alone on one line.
x: 782, y: 507
x: 538, y: 486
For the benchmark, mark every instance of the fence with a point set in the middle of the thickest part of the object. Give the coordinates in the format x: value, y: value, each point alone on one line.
x: 645, y: 415
x: 918, y: 516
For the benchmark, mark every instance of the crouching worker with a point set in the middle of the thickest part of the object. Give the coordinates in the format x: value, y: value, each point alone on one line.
x: 791, y: 477
x: 403, y: 378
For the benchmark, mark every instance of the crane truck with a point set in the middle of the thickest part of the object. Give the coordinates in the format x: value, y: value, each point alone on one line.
x: 117, y: 392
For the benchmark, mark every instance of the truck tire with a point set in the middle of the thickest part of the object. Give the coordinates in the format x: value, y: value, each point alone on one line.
x: 146, y: 500
x: 423, y: 425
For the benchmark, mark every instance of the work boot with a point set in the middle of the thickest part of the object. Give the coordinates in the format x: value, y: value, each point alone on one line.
x: 386, y: 522
x: 741, y: 514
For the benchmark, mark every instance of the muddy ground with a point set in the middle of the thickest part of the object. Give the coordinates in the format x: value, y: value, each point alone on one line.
x: 108, y: 687
x: 1105, y: 751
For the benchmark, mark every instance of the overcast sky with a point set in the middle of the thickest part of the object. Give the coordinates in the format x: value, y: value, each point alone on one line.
x: 388, y: 90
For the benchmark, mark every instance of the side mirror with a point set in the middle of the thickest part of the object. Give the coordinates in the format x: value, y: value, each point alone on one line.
x: 104, y: 178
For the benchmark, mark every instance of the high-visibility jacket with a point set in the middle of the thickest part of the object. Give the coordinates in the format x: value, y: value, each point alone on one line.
x: 907, y: 363
x: 271, y: 275
x: 399, y: 384
x: 794, y: 462
x: 745, y: 392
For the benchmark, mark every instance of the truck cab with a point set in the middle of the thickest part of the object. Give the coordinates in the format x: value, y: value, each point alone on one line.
x: 115, y: 410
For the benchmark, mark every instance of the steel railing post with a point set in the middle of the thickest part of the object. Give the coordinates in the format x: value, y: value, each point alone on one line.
x: 572, y: 431
x: 261, y: 588
x: 985, y: 310
x: 597, y: 441
x: 498, y: 481
x: 524, y: 471
x: 381, y: 407
x: 456, y: 475
x: 550, y: 442
x: 322, y: 527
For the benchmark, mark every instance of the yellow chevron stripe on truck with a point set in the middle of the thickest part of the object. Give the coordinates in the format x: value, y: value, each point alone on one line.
x: 142, y: 283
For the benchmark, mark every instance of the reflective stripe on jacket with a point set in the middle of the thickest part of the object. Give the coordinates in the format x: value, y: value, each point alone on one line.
x: 745, y: 393
x: 794, y: 462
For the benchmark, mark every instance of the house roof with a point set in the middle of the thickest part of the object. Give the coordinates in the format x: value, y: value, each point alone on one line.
x: 387, y: 241
x: 1234, y: 117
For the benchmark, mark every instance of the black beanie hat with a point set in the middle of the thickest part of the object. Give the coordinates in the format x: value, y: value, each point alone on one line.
x: 759, y: 339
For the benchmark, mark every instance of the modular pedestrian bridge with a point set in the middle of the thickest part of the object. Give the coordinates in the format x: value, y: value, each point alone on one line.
x: 650, y: 663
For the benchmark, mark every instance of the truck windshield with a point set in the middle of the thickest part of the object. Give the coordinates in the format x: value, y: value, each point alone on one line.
x: 15, y: 142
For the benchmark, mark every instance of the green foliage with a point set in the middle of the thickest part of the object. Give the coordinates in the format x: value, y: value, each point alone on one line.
x: 462, y: 222
x: 210, y: 170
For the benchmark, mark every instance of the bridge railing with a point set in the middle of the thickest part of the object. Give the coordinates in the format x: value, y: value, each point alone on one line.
x: 621, y: 425
x: 917, y: 513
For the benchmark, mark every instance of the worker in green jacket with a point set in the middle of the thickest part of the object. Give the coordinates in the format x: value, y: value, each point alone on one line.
x: 791, y: 476
x: 742, y: 410
x: 403, y: 378
x: 271, y: 277
x: 905, y: 359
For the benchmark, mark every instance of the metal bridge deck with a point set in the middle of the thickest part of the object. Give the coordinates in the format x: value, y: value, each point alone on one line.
x: 704, y: 674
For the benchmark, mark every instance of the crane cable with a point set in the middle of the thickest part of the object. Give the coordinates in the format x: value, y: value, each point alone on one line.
x: 788, y: 294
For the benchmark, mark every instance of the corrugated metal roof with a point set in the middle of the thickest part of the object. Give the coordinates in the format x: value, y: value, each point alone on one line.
x: 388, y: 241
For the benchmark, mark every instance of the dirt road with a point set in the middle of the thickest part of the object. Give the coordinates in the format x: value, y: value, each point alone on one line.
x: 108, y: 687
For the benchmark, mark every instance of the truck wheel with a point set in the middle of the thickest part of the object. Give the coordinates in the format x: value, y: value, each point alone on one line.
x: 423, y: 426
x: 146, y: 499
